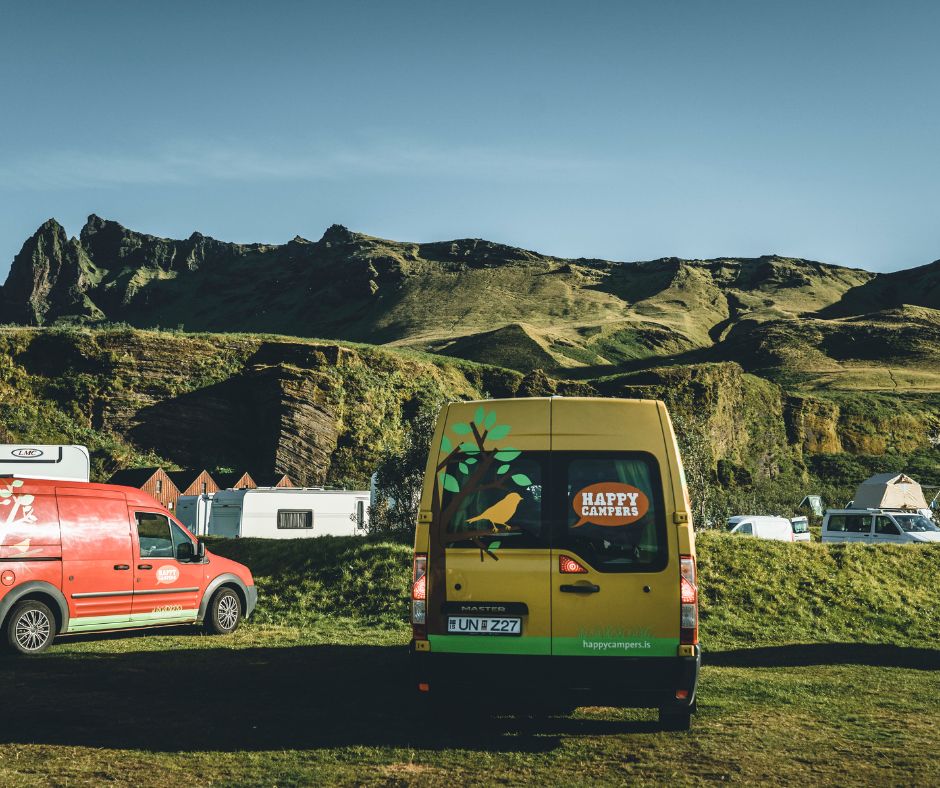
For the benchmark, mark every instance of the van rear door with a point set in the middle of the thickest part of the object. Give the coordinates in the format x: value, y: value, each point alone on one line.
x: 490, y: 554
x: 615, y: 562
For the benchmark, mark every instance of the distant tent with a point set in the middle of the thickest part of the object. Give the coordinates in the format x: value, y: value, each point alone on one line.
x: 889, y: 491
x: 812, y: 502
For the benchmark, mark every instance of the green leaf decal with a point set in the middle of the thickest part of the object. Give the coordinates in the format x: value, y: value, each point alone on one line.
x: 471, y: 460
x: 18, y: 483
x: 460, y: 428
x: 446, y: 445
x: 463, y: 468
x: 494, y: 545
x: 450, y: 483
x: 507, y: 454
x: 469, y: 448
x: 521, y: 479
x: 5, y: 493
x: 501, y: 470
x: 478, y: 416
x: 499, y: 431
x: 26, y: 500
x: 490, y: 419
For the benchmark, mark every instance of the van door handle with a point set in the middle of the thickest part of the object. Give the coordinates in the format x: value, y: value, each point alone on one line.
x: 145, y: 566
x: 121, y: 566
x: 580, y: 589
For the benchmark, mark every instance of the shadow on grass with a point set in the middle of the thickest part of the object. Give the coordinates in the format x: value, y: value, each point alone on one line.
x: 223, y: 699
x: 804, y: 655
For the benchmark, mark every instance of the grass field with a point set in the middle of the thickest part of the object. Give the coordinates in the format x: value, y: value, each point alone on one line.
x: 326, y: 699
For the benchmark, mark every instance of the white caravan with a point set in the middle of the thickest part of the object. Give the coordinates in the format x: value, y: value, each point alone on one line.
x: 778, y: 529
x: 193, y: 511
x: 26, y: 461
x: 289, y: 513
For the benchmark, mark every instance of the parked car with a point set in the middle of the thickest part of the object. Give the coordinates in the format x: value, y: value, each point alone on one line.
x: 778, y: 529
x: 80, y: 557
x: 554, y: 553
x: 801, y: 529
x: 878, y: 526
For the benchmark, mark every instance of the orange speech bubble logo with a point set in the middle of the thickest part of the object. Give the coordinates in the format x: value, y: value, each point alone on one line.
x: 609, y: 504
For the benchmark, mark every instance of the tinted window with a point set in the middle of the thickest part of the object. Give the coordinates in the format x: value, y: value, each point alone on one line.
x: 800, y: 525
x: 153, y: 532
x: 501, y: 506
x: 179, y: 536
x: 614, y: 511
x: 850, y: 523
x: 883, y: 525
x: 746, y: 528
x: 293, y: 519
x: 915, y: 523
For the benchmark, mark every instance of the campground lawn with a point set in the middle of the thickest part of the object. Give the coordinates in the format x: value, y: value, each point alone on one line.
x: 330, y: 704
x: 815, y: 672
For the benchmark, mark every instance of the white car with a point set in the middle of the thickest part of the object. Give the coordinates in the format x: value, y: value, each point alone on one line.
x: 779, y: 529
x: 878, y: 526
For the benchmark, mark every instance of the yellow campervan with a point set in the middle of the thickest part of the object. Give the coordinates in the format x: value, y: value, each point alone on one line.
x: 554, y: 550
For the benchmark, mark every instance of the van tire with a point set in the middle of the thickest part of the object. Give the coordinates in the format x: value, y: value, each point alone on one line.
x: 224, y: 612
x: 675, y: 719
x: 30, y: 628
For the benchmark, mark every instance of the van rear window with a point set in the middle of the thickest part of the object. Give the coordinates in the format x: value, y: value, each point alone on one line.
x: 614, y: 513
x: 503, y: 504
x: 605, y: 507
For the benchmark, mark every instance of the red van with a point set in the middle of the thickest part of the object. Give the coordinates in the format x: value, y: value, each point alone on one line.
x: 79, y: 557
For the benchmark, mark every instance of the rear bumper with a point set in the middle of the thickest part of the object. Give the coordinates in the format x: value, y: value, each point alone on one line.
x: 251, y: 601
x: 648, y: 682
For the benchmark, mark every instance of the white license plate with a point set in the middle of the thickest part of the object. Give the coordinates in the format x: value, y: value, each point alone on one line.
x: 479, y: 625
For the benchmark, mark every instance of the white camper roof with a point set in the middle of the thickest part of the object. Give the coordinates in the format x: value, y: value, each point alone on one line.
x: 32, y: 461
x: 889, y: 491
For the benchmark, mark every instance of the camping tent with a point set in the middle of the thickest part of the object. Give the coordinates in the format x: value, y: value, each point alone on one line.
x: 889, y: 491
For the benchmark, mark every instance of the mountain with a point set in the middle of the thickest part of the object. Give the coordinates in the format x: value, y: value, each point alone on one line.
x: 791, y: 320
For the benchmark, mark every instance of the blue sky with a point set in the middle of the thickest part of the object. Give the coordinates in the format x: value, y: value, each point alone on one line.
x: 624, y: 130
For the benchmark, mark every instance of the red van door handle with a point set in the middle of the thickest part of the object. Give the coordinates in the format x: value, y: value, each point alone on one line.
x: 580, y: 589
x: 144, y: 566
x: 121, y: 566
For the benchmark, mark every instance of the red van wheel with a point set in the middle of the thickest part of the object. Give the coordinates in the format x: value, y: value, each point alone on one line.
x: 224, y: 613
x: 30, y: 628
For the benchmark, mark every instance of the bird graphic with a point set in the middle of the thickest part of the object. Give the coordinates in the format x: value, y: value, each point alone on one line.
x: 499, y: 513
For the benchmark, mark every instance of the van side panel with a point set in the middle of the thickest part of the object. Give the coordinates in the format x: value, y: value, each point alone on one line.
x: 30, y: 543
x: 96, y: 546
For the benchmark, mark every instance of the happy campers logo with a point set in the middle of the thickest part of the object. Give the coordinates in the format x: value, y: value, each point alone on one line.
x: 167, y: 574
x: 609, y: 504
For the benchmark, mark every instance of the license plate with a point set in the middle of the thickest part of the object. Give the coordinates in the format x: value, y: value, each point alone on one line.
x: 479, y: 625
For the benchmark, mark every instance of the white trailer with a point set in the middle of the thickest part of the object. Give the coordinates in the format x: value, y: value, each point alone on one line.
x: 289, y: 513
x: 194, y: 511
x: 30, y: 461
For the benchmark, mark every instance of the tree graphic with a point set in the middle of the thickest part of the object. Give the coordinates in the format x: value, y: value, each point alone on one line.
x: 468, y: 460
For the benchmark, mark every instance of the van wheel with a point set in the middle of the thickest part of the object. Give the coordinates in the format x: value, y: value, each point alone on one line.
x: 675, y: 719
x: 224, y: 613
x: 30, y: 627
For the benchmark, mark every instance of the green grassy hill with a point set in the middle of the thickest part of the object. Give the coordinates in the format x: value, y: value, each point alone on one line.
x: 754, y: 593
x: 493, y: 303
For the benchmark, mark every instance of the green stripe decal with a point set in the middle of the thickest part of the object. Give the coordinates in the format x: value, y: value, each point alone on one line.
x: 87, y: 623
x: 586, y: 645
x: 489, y: 644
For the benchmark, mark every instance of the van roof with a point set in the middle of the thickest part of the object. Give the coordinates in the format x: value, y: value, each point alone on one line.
x: 50, y: 485
x: 553, y: 397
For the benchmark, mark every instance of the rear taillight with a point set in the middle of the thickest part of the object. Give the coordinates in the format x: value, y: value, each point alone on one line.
x: 688, y: 592
x: 568, y: 566
x: 419, y: 596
